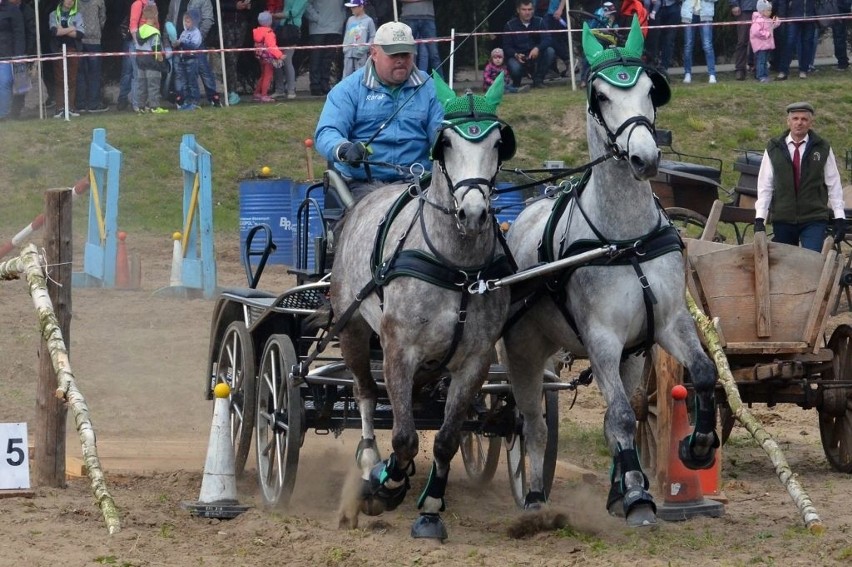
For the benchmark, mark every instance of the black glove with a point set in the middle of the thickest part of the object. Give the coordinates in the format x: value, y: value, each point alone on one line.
x: 352, y: 153
x: 839, y: 230
x: 759, y: 225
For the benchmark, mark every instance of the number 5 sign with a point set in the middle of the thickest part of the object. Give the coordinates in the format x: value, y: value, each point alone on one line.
x: 14, y: 457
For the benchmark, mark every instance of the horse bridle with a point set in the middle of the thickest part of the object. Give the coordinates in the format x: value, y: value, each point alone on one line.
x: 632, y: 122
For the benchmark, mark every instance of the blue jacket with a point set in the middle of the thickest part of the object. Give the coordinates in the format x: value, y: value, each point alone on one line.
x: 357, y: 107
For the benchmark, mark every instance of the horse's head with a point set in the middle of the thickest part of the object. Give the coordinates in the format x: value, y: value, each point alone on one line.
x: 468, y: 150
x: 623, y: 97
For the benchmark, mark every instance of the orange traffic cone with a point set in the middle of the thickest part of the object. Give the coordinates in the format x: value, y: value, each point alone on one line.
x: 122, y: 263
x: 218, y: 498
x: 683, y: 498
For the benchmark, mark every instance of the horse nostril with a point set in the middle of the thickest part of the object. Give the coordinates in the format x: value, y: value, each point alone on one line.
x: 637, y: 163
x: 483, y: 216
x: 462, y: 215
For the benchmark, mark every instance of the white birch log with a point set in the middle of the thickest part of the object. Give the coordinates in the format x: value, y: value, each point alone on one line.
x: 29, y: 263
x: 800, y: 498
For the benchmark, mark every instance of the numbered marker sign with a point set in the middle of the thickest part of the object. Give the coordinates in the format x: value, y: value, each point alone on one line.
x: 15, y: 458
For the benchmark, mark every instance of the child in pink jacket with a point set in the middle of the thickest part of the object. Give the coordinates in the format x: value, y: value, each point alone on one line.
x: 266, y: 49
x: 761, y: 37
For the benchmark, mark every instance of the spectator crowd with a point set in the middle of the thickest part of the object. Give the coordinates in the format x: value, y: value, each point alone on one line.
x: 166, y: 68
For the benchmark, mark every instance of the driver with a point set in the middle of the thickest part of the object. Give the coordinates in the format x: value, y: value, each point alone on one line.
x: 387, y: 98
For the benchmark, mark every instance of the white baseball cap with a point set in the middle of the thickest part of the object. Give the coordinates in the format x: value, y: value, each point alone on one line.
x: 395, y: 38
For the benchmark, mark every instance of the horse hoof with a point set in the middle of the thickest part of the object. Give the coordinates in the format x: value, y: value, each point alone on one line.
x: 429, y: 526
x: 692, y: 461
x: 642, y: 516
x: 534, y: 501
x: 379, y: 495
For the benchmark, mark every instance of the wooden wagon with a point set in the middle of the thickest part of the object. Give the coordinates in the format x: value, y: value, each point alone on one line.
x: 771, y: 303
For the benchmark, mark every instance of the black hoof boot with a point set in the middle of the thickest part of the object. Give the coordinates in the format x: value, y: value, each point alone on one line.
x: 429, y: 526
x: 692, y: 461
x: 534, y: 500
x: 628, y: 495
x: 389, y: 498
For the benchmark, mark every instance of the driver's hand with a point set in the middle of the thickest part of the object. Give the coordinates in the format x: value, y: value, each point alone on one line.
x: 352, y: 153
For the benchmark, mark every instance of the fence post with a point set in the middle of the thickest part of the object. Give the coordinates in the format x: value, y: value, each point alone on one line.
x: 51, y: 411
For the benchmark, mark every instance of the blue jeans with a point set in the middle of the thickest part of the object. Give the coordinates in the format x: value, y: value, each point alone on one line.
x: 810, y: 234
x: 761, y: 64
x: 838, y: 34
x: 208, y: 79
x: 538, y: 67
x: 5, y: 88
x: 427, y: 53
x: 706, y: 45
x: 800, y: 38
x: 89, y: 79
x: 186, y: 78
x: 127, y: 84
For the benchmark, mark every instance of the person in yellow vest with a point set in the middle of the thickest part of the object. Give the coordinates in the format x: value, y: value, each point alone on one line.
x: 798, y: 185
x: 150, y: 62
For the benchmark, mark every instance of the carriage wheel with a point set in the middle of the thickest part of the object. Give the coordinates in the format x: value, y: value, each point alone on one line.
x: 516, y: 453
x: 689, y: 223
x: 835, y: 413
x: 647, y: 414
x: 480, y: 454
x: 280, y: 418
x: 235, y: 367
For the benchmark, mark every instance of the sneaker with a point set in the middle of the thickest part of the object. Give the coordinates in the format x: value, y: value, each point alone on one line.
x: 101, y: 108
x: 712, y: 79
x: 763, y: 79
x: 687, y: 78
x: 781, y: 76
x: 511, y: 89
x: 740, y: 75
x: 291, y: 96
x: 160, y: 110
x: 141, y: 110
x: 216, y: 101
x: 842, y: 67
x: 267, y: 99
x: 803, y: 75
x: 61, y: 113
x: 188, y: 106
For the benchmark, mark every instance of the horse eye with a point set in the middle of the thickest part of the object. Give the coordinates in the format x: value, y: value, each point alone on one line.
x: 601, y: 97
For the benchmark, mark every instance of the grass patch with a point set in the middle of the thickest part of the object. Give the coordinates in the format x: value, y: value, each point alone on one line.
x: 550, y: 124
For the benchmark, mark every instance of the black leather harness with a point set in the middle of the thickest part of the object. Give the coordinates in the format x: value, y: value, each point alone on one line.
x: 660, y: 241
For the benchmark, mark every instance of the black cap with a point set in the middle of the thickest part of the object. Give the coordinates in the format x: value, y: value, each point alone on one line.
x: 800, y: 107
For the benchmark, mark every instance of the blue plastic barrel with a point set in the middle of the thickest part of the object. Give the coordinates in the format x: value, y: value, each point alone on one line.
x: 509, y: 204
x: 268, y: 201
x: 299, y: 192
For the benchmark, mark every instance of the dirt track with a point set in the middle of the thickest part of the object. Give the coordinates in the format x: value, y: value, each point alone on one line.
x: 140, y: 362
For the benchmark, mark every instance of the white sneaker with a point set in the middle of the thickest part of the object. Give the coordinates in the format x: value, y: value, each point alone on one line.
x: 687, y: 77
x: 712, y: 79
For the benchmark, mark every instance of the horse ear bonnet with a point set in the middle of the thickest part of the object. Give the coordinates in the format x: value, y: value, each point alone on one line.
x: 621, y: 66
x: 473, y: 117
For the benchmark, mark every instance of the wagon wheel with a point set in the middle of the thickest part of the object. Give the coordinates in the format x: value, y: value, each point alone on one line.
x: 280, y: 419
x: 689, y: 223
x: 645, y: 407
x: 480, y: 454
x: 835, y: 412
x: 235, y: 366
x: 516, y: 453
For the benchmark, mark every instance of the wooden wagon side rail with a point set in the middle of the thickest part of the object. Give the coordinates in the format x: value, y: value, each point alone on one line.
x: 31, y: 265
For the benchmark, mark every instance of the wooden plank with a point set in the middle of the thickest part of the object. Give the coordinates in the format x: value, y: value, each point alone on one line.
x: 712, y: 220
x: 669, y: 373
x: 762, y: 300
x: 819, y: 308
x: 767, y: 348
x: 695, y: 247
x: 17, y: 493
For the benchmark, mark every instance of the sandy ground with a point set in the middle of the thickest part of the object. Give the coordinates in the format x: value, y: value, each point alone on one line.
x: 140, y: 361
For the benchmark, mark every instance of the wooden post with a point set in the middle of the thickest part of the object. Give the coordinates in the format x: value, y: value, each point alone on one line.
x: 51, y: 411
x: 669, y: 374
x: 761, y: 286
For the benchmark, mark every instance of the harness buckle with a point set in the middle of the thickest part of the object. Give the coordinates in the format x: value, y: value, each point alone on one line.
x: 643, y: 281
x: 463, y: 316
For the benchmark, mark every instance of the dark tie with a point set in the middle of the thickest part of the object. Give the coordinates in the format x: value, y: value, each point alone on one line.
x: 797, y: 163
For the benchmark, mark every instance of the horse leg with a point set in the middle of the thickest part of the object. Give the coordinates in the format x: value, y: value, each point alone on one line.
x: 354, y: 346
x: 525, y: 362
x: 697, y: 450
x: 464, y: 385
x: 628, y: 494
x: 389, y: 478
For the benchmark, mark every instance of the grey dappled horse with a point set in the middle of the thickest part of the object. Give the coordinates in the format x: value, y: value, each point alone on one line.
x: 429, y: 251
x: 615, y: 306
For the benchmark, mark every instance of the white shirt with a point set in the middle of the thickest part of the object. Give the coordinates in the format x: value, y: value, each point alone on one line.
x: 766, y: 186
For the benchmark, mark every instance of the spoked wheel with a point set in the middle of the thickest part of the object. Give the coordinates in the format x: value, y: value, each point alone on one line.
x: 235, y: 366
x: 689, y: 223
x: 516, y: 452
x: 835, y: 412
x: 480, y: 454
x: 280, y: 419
x: 647, y: 416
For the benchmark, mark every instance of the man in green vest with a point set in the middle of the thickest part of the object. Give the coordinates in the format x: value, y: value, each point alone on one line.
x: 799, y: 184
